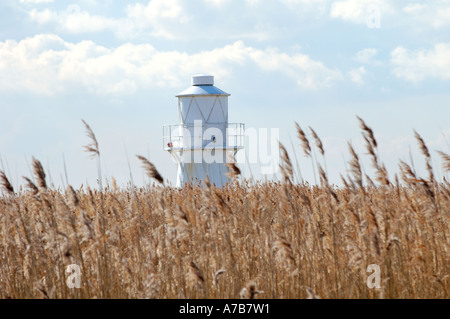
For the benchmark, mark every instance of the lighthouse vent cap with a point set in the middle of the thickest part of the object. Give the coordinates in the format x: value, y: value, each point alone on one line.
x: 202, y: 80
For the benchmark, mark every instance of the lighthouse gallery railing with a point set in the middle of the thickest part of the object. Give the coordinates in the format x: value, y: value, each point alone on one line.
x: 191, y: 137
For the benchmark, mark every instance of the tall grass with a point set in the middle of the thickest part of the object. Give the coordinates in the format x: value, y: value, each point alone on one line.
x: 247, y: 240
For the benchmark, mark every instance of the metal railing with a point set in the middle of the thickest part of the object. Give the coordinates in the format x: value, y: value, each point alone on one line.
x: 206, y: 136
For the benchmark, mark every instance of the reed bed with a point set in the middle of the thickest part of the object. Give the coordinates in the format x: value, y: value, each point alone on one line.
x: 266, y: 240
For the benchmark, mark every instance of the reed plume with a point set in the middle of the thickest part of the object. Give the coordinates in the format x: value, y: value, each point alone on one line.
x: 407, y: 173
x: 91, y: 148
x: 195, y: 276
x: 317, y: 141
x: 445, y: 161
x: 30, y: 185
x: 286, y: 166
x: 72, y: 198
x: 233, y: 170
x: 368, y: 132
x: 39, y: 174
x: 311, y: 293
x: 283, y: 253
x: 304, y: 140
x: 426, y: 153
x: 94, y: 151
x: 250, y: 291
x: 372, y: 149
x: 217, y: 274
x: 355, y: 166
x: 6, y: 185
x: 150, y: 169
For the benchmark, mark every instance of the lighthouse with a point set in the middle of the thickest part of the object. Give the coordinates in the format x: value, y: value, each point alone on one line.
x: 203, y: 140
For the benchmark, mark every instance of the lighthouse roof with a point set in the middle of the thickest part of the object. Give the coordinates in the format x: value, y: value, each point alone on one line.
x: 202, y: 85
x: 202, y: 90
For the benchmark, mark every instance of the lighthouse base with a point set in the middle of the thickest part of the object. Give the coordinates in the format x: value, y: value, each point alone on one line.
x: 197, y: 172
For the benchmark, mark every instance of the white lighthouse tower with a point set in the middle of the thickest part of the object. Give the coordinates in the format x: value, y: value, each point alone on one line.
x: 203, y: 140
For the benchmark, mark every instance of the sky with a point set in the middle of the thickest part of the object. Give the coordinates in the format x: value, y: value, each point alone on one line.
x: 119, y: 64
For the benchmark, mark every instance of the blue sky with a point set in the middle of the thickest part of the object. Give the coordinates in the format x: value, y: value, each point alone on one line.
x: 119, y: 64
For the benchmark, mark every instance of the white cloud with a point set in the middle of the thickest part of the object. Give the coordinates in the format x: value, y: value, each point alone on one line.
x: 309, y: 74
x: 36, y: 1
x: 219, y: 3
x: 356, y: 75
x: 158, y: 18
x: 366, y: 55
x: 415, y: 66
x: 303, y: 2
x: 425, y: 14
x: 155, y: 9
x: 74, y: 20
x: 413, y: 8
x: 360, y: 11
x: 432, y: 13
x: 46, y: 64
x: 319, y: 6
x: 253, y: 2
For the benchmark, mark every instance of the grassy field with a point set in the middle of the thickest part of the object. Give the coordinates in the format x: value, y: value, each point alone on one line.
x: 247, y: 240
